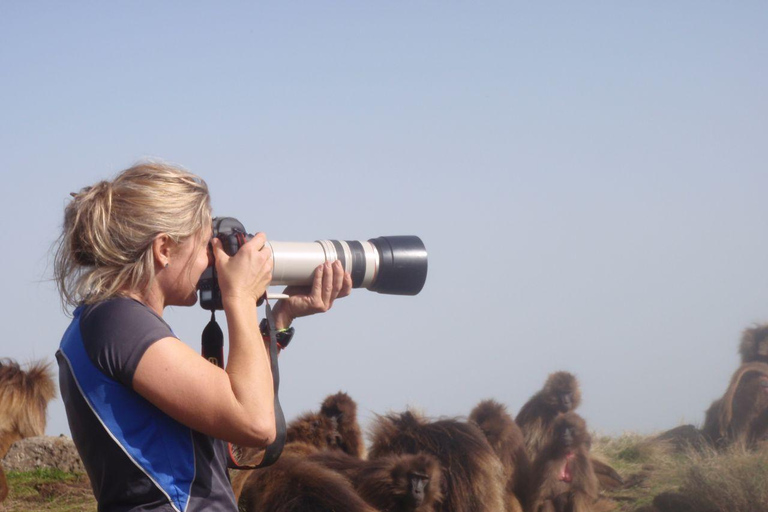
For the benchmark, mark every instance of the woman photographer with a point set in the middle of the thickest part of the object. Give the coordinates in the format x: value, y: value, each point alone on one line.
x: 148, y: 414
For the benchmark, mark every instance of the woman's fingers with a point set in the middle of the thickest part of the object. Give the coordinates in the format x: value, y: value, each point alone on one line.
x: 317, y: 284
x: 218, y: 250
x: 248, y: 273
x: 338, y: 281
x: 259, y: 240
x: 327, y: 294
x: 346, y: 287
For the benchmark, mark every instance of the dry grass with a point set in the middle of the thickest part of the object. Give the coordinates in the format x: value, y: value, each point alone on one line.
x: 735, y: 480
x: 48, y: 490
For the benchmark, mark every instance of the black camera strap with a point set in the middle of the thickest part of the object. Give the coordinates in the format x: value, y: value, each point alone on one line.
x: 213, y: 351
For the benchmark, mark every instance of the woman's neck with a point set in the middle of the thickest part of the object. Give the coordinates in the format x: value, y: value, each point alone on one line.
x: 151, y: 299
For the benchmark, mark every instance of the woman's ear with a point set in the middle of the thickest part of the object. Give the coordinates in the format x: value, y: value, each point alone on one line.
x: 161, y: 249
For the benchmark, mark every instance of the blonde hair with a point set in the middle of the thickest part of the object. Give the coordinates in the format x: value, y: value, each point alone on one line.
x: 105, y: 249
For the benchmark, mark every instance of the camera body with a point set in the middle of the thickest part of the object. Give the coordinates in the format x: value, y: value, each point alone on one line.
x: 233, y: 235
x: 393, y: 265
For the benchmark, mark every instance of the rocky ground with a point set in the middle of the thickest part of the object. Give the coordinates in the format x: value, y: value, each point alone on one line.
x: 43, y: 453
x: 45, y: 474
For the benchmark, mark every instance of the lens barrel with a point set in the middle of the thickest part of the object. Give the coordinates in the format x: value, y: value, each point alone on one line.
x: 393, y: 265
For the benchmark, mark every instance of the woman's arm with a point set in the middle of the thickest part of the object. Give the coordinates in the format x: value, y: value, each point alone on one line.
x: 236, y: 405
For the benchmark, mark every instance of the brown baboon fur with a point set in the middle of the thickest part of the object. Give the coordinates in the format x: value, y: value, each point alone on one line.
x: 506, y: 439
x: 393, y: 483
x: 335, y: 427
x: 24, y: 397
x: 295, y: 484
x: 712, y: 430
x: 344, y: 409
x: 741, y: 415
x: 754, y: 344
x: 563, y: 478
x: 473, y: 474
x: 607, y: 477
x: 252, y: 456
x: 560, y: 394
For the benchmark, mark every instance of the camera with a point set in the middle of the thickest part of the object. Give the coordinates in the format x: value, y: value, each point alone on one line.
x: 393, y: 265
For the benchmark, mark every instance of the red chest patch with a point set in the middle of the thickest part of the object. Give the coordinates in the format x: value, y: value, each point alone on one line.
x: 566, y: 473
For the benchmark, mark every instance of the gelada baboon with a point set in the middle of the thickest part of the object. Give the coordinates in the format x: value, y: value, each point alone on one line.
x: 335, y: 427
x: 506, y: 439
x: 741, y: 415
x: 560, y: 394
x: 24, y: 397
x: 296, y: 484
x: 341, y: 407
x: 754, y: 344
x: 473, y: 474
x: 562, y: 477
x: 393, y: 483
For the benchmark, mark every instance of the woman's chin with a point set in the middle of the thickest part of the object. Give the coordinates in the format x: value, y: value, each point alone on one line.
x: 189, y: 300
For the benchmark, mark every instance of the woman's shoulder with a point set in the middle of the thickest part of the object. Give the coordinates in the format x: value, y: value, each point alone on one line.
x: 116, y: 333
x: 118, y: 308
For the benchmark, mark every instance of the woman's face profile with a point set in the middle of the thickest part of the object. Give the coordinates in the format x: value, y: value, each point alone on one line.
x: 190, y: 259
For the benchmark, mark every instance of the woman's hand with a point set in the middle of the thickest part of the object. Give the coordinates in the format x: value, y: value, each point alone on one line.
x: 245, y: 275
x: 329, y: 284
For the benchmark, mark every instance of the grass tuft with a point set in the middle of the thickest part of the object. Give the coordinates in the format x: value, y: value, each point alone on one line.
x: 734, y: 480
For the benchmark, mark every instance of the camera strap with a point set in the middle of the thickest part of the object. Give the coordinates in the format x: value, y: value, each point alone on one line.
x: 213, y: 351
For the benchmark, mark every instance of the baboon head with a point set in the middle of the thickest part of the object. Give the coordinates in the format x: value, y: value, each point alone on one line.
x: 344, y: 410
x: 402, y: 483
x: 561, y: 392
x: 24, y: 397
x: 315, y: 429
x: 754, y: 344
x: 335, y: 427
x: 416, y: 479
x: 570, y: 433
x: 492, y: 418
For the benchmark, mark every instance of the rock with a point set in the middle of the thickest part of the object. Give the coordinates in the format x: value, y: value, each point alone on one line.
x: 674, y: 502
x: 677, y: 502
x: 43, y: 452
x: 683, y: 437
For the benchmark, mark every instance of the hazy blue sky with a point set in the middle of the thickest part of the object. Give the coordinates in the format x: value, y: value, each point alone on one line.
x: 589, y: 178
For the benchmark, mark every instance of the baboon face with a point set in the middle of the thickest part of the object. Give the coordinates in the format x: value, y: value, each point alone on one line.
x: 414, y: 477
x: 562, y: 392
x: 417, y: 488
x: 565, y: 401
x: 571, y: 432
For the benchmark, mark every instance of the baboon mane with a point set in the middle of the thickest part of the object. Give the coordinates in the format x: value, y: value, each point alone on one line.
x: 561, y: 382
x: 24, y: 397
x: 473, y: 474
x: 341, y: 407
x: 754, y: 344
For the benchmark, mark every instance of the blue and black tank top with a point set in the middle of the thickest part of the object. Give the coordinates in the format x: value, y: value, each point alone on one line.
x: 137, y: 457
